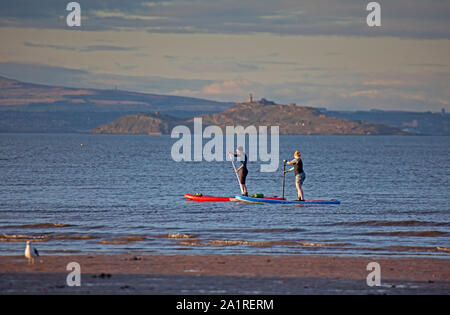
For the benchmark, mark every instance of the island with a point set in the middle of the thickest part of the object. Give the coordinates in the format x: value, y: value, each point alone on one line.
x: 291, y: 119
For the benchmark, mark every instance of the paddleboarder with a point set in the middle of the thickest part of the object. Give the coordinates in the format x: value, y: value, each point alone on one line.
x: 243, y: 168
x: 299, y: 173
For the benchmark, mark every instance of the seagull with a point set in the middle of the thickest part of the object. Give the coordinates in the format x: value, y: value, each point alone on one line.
x: 30, y: 253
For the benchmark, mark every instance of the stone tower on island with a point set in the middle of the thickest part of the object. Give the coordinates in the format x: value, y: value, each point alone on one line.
x: 262, y: 101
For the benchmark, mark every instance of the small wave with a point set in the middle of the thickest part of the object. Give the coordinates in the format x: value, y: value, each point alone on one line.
x: 192, y: 243
x: 36, y: 226
x: 234, y: 243
x: 411, y: 233
x: 62, y: 251
x: 443, y: 249
x: 72, y: 237
x: 238, y: 242
x: 43, y: 238
x: 321, y: 244
x: 262, y: 230
x: 93, y: 227
x: 22, y: 238
x: 276, y: 230
x: 123, y: 240
x: 223, y: 243
x: 176, y: 235
x: 394, y: 223
x: 255, y: 243
x: 417, y: 249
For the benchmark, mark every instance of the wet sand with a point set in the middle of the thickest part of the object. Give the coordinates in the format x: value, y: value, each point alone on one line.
x: 223, y: 274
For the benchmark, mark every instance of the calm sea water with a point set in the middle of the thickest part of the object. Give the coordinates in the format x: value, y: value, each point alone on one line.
x: 73, y: 193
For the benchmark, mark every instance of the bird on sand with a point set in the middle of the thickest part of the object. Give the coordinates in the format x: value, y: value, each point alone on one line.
x: 30, y: 253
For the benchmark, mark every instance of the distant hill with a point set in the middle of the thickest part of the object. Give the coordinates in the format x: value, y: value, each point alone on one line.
x: 291, y: 119
x: 16, y: 95
x: 425, y: 123
x: 29, y: 107
x: 144, y: 123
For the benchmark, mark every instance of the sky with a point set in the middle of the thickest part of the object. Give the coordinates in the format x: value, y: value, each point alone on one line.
x: 318, y: 53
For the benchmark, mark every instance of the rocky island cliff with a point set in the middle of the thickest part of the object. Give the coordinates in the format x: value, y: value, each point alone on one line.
x: 291, y: 119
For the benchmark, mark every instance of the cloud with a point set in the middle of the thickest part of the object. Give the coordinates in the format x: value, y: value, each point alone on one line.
x: 285, y: 92
x: 62, y: 76
x: 123, y: 15
x: 421, y: 92
x: 235, y: 90
x: 228, y: 87
x: 386, y: 82
x: 427, y: 64
x: 394, y: 93
x: 58, y: 47
x: 207, y: 64
x: 365, y: 93
x: 200, y: 66
x: 43, y: 74
x: 400, y: 18
x: 107, y: 48
x: 88, y: 48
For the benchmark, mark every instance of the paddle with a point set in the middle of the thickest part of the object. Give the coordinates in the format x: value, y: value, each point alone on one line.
x: 234, y: 167
x: 284, y: 177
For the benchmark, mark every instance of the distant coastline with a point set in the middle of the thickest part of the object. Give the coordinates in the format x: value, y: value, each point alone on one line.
x: 36, y: 108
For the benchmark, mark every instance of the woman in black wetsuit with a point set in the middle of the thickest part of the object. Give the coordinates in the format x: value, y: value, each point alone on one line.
x: 300, y: 175
x: 242, y: 168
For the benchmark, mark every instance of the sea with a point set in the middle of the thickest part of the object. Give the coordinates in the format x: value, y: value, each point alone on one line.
x: 107, y: 194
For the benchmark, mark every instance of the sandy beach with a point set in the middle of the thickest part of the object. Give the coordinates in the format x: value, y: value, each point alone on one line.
x: 222, y: 274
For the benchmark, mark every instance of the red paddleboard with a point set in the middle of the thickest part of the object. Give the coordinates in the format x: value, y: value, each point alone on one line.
x: 214, y: 198
x: 207, y: 198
